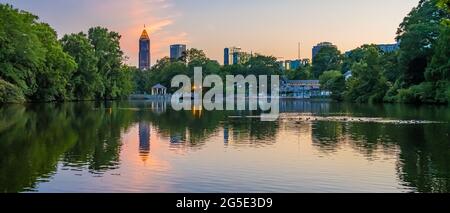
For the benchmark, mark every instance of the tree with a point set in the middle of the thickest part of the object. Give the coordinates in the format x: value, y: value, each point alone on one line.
x: 110, y: 56
x: 333, y: 81
x: 438, y: 71
x: 54, y: 74
x: 367, y: 83
x: 10, y: 93
x: 165, y: 75
x: 328, y: 58
x: 35, y: 65
x: 391, y: 70
x: 301, y: 73
x: 125, y: 81
x: 354, y: 56
x: 417, y: 34
x: 439, y: 68
x: 86, y: 81
x: 21, y: 52
x: 141, y: 79
x: 263, y: 65
x: 196, y: 57
x: 31, y: 58
x: 161, y: 63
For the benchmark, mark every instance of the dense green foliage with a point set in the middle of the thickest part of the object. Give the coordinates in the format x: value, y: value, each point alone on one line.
x: 10, y: 93
x: 416, y: 73
x: 110, y: 66
x: 418, y: 33
x: 328, y: 58
x: 31, y: 57
x: 334, y: 82
x: 302, y: 72
x: 367, y: 83
x: 35, y: 66
x: 86, y: 80
x: 423, y: 56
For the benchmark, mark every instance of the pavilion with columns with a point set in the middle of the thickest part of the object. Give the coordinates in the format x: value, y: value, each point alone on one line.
x: 159, y: 89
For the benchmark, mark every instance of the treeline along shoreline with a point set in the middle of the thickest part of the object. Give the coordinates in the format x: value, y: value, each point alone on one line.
x: 36, y: 66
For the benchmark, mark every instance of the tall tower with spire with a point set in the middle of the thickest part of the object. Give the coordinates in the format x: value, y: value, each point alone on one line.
x: 144, y: 51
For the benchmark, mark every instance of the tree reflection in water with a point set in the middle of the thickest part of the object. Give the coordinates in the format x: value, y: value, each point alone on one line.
x: 35, y: 138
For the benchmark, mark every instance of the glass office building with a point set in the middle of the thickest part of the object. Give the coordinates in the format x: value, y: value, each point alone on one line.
x: 177, y: 51
x: 144, y: 51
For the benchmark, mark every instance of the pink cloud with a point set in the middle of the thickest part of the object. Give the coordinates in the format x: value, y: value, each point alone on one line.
x: 129, y: 18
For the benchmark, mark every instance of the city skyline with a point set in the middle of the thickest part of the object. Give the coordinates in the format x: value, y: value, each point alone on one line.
x: 266, y: 27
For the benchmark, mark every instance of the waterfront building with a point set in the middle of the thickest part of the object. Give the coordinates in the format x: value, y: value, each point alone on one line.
x: 316, y: 49
x: 144, y: 51
x: 177, y: 51
x: 159, y: 89
x: 302, y: 89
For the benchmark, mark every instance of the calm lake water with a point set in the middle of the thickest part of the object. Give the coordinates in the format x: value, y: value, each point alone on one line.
x: 147, y: 147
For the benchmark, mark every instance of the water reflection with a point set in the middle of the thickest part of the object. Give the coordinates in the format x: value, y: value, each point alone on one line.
x: 144, y: 139
x: 39, y: 142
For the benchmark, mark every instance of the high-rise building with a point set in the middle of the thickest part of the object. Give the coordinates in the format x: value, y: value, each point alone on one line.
x: 293, y: 64
x: 319, y: 46
x: 226, y: 56
x: 144, y: 51
x: 233, y: 55
x: 177, y: 51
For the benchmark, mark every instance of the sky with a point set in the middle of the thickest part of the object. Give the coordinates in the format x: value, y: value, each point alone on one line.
x: 270, y: 27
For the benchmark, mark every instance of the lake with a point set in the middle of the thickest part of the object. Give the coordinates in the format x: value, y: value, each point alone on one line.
x: 144, y: 146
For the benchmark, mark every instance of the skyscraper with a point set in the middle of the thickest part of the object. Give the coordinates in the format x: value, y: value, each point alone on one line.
x: 226, y: 56
x: 236, y: 57
x: 177, y: 51
x: 144, y: 51
x: 319, y: 46
x: 232, y: 55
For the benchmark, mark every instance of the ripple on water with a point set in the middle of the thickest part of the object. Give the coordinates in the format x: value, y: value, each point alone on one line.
x: 302, y: 117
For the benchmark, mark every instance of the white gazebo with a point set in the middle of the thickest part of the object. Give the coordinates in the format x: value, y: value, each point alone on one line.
x: 159, y: 90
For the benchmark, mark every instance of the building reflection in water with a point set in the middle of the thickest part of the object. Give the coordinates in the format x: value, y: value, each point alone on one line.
x: 144, y: 140
x: 406, y: 157
x: 301, y: 106
x: 155, y: 106
x: 226, y: 135
x: 159, y: 107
